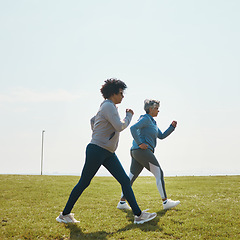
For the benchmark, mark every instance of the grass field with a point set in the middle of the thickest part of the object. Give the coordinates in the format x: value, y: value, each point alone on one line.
x: 209, y: 209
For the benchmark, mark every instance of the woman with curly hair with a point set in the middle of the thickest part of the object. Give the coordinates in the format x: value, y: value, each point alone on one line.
x: 106, y: 126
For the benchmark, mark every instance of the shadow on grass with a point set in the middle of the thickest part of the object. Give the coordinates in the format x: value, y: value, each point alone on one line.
x: 77, y: 233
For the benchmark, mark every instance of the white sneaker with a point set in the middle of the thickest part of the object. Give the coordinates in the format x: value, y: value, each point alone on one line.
x: 144, y: 217
x: 123, y: 205
x: 170, y: 204
x: 69, y: 218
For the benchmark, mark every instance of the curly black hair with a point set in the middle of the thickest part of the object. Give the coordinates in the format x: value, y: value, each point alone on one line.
x: 111, y: 87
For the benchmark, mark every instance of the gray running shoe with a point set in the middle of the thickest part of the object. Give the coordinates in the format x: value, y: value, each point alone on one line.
x: 69, y: 218
x: 144, y: 217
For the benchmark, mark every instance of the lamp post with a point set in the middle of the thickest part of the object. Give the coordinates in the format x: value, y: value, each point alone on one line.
x: 43, y: 131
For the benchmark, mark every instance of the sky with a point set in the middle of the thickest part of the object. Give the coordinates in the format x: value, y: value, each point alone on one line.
x: 55, y: 55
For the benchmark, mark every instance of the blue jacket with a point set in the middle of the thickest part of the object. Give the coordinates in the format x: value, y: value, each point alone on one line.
x: 146, y: 131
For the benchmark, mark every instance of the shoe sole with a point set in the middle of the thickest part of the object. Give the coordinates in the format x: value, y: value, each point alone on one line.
x: 63, y: 221
x: 124, y: 208
x: 171, y: 207
x: 60, y: 220
x: 147, y: 220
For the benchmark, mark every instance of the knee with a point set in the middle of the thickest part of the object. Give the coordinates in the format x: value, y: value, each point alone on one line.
x: 83, y: 183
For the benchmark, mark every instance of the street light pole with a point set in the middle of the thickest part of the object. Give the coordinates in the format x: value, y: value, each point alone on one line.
x: 43, y: 131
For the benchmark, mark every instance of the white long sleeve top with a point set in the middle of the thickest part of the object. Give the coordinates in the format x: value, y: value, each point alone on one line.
x: 107, y: 125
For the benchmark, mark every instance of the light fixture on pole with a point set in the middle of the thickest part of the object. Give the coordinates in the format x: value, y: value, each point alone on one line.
x: 43, y: 131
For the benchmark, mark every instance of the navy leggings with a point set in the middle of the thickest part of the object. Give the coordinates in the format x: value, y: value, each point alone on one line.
x: 95, y: 157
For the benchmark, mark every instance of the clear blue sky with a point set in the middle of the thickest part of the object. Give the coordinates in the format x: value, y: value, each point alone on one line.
x: 55, y: 55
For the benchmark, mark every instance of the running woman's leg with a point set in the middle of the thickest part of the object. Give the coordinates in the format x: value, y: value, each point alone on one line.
x: 95, y: 156
x: 114, y: 166
x: 147, y: 159
x: 135, y: 169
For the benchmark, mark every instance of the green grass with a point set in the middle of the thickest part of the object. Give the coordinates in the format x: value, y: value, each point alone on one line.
x: 209, y: 209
